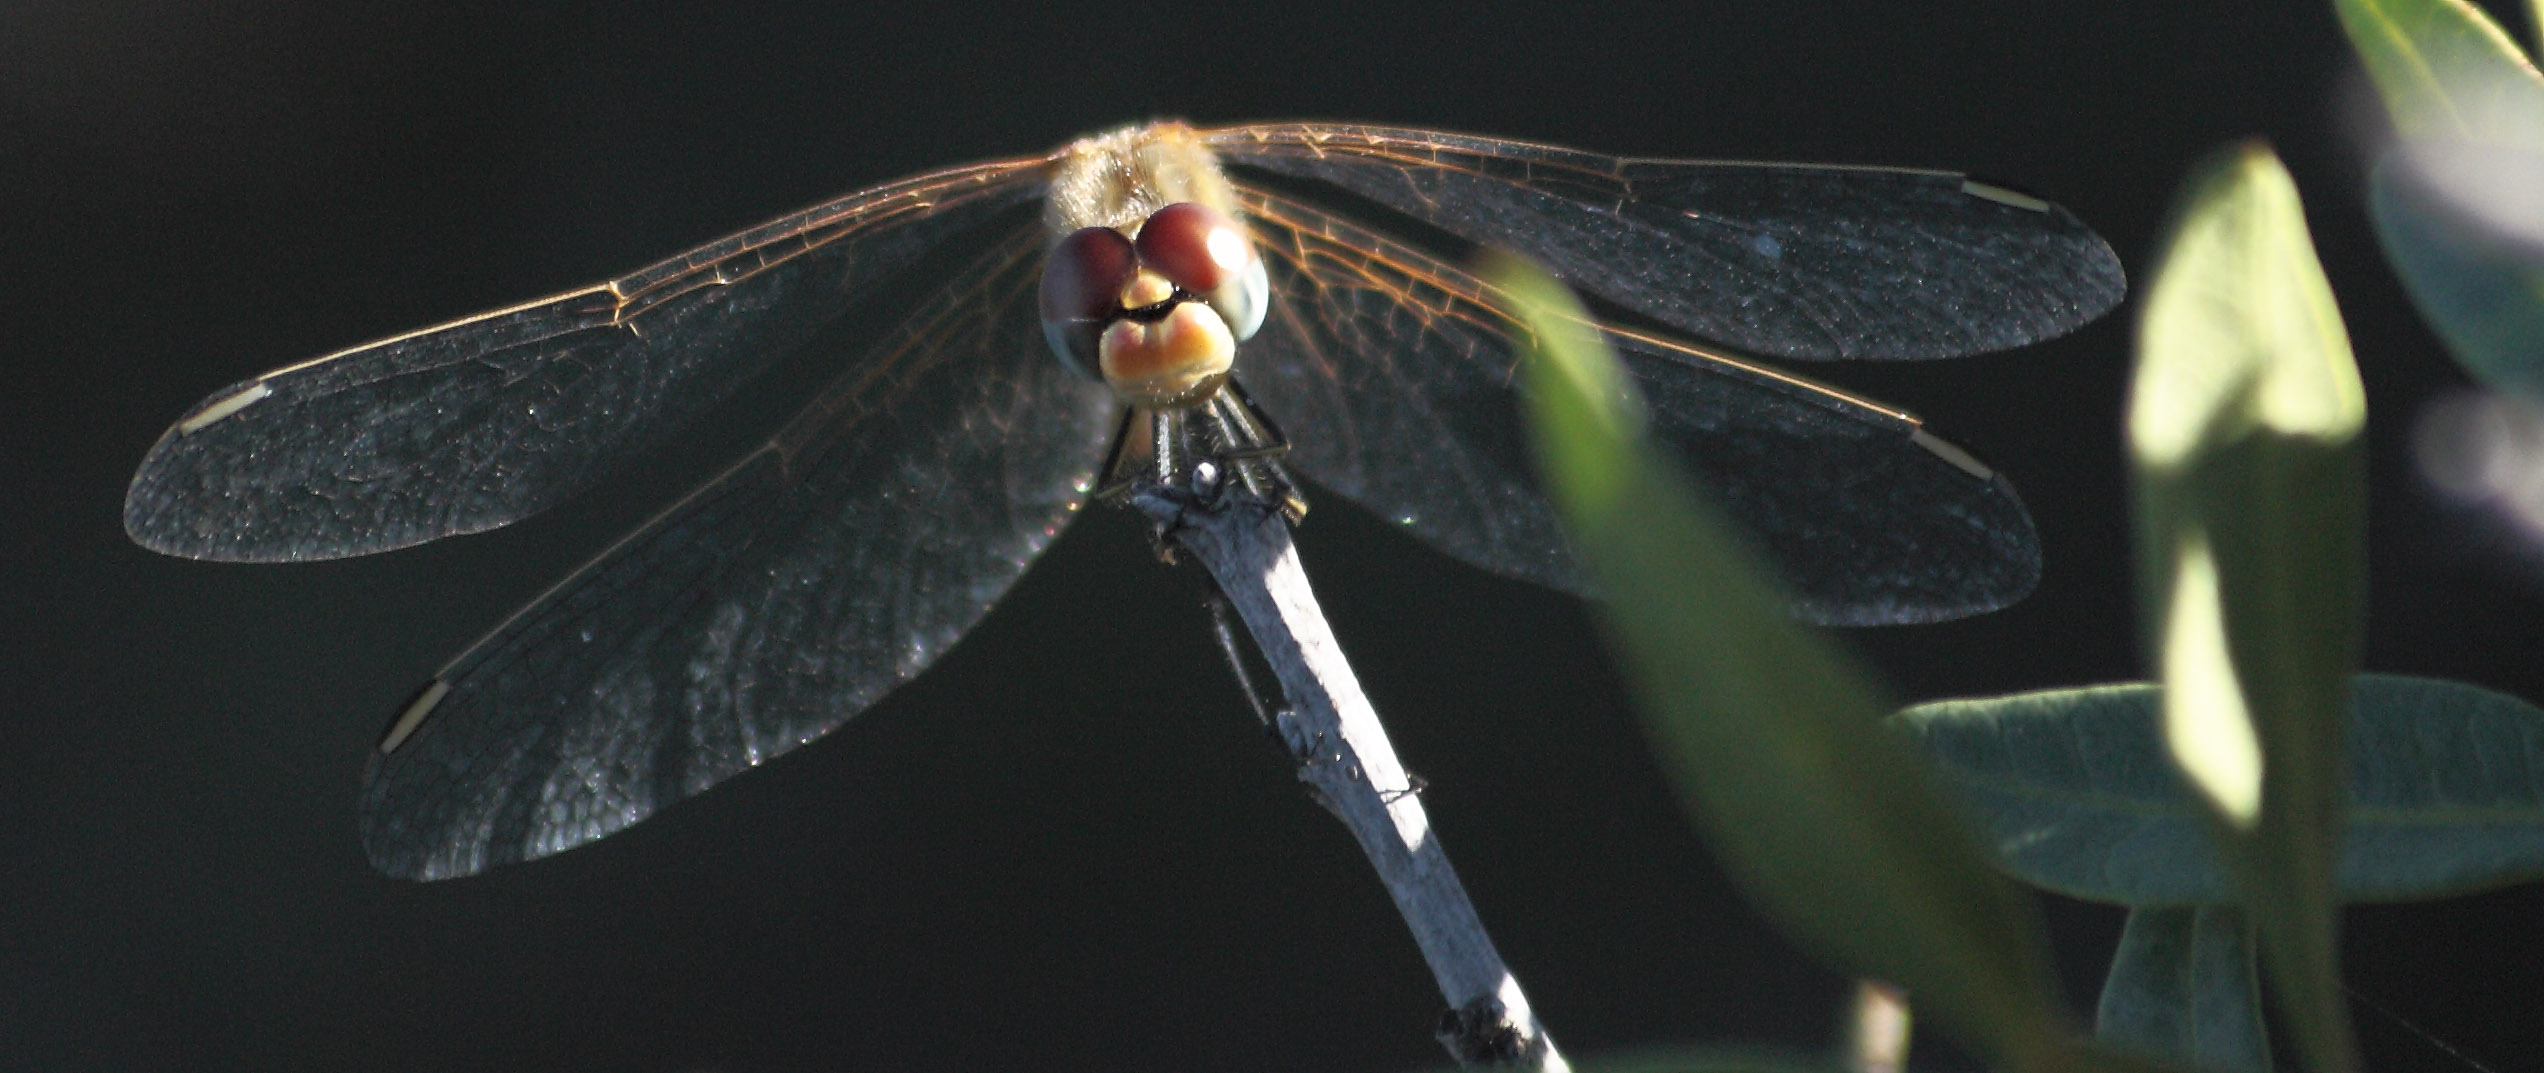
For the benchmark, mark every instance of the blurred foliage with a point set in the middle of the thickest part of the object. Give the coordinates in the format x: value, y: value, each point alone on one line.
x: 2234, y: 803
x: 2244, y: 421
x: 2073, y: 790
x: 2458, y: 200
x: 1769, y: 732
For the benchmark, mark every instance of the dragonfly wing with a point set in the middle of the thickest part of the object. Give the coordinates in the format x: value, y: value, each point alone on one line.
x: 480, y: 422
x: 1785, y: 260
x: 767, y: 607
x: 1393, y: 372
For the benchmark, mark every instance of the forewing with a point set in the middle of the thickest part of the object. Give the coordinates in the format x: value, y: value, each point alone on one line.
x: 1392, y: 373
x: 769, y: 606
x: 482, y: 421
x: 1785, y: 260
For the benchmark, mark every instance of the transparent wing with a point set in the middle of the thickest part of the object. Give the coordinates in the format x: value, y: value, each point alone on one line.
x: 1392, y: 374
x: 1785, y: 260
x: 766, y: 608
x: 480, y: 422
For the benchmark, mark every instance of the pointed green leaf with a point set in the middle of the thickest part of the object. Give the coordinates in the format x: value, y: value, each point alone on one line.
x: 2479, y: 280
x: 2447, y: 71
x: 2244, y: 420
x: 2182, y: 987
x: 2073, y: 789
x: 1837, y: 831
x: 2240, y: 337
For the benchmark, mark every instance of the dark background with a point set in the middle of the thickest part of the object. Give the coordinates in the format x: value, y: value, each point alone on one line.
x: 1066, y: 844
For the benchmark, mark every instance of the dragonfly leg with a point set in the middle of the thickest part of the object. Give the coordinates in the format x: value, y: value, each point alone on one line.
x: 1127, y: 458
x: 1246, y: 440
x: 1170, y: 460
x: 1260, y: 430
x: 1192, y: 451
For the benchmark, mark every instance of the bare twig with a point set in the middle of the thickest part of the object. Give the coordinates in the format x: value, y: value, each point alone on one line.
x: 1344, y: 756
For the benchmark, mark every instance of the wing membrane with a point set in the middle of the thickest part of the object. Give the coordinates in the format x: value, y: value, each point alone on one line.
x: 1786, y: 260
x: 766, y: 608
x: 1393, y: 372
x: 480, y: 422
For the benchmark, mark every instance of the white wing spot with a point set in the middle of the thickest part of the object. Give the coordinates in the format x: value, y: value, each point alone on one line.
x: 224, y: 408
x: 1948, y: 452
x: 413, y: 716
x: 2003, y: 196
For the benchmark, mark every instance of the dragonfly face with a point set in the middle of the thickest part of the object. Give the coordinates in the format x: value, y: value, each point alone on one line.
x: 863, y: 537
x: 1158, y: 314
x: 1152, y: 283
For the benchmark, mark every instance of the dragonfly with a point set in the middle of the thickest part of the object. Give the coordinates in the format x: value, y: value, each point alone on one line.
x: 856, y: 543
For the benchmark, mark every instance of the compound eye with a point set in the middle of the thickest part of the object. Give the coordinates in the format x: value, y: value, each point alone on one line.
x: 1083, y: 278
x: 1082, y: 283
x: 1206, y: 255
x: 1196, y: 247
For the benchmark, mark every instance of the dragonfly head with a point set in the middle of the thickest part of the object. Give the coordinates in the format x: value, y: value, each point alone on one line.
x: 1156, y: 314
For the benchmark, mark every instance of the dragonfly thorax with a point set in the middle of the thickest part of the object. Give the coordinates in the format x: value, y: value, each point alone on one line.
x: 1121, y: 177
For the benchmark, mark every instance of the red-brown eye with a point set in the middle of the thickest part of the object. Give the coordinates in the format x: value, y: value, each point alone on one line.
x: 1083, y: 278
x: 1082, y: 284
x: 1196, y: 247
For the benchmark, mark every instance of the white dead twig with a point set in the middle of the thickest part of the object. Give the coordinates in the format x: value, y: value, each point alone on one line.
x: 1343, y: 753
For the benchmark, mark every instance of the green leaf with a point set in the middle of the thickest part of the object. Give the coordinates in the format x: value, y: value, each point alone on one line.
x: 2459, y: 206
x: 2447, y: 71
x: 2182, y: 986
x: 2240, y: 337
x: 2478, y: 279
x: 2072, y: 787
x: 1769, y: 733
x: 2244, y: 423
